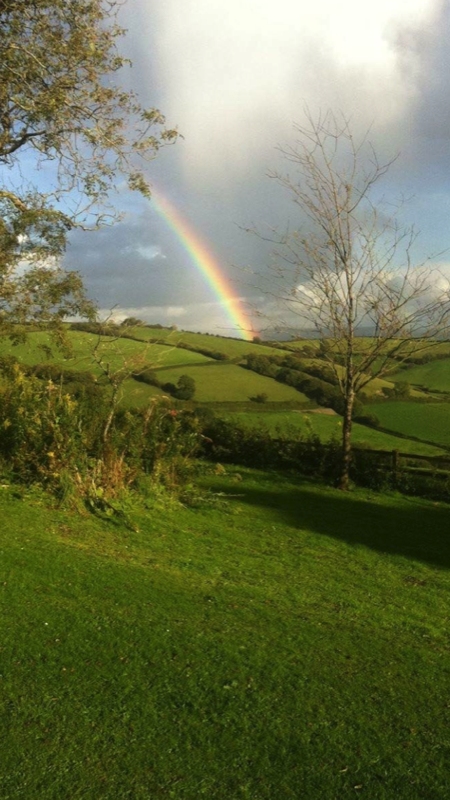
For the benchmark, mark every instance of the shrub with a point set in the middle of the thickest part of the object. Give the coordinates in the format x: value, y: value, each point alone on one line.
x: 49, y: 437
x: 148, y: 376
x: 402, y: 390
x: 185, y: 388
x: 131, y: 322
x: 227, y: 442
x: 399, y: 391
x: 367, y: 418
x: 170, y: 388
x: 260, y: 398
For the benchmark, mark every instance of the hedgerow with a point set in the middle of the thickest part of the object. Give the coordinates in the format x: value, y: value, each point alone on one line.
x: 50, y: 437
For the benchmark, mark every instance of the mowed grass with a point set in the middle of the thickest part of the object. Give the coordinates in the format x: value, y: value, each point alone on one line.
x: 290, y: 643
x: 116, y: 352
x: 327, y: 427
x: 427, y: 421
x: 220, y: 382
x: 435, y: 375
x: 234, y: 348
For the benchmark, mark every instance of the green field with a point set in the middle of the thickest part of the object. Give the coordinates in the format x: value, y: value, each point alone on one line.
x: 234, y: 348
x: 116, y: 352
x: 228, y: 382
x: 435, y: 375
x: 289, y: 643
x: 326, y: 427
x: 427, y: 421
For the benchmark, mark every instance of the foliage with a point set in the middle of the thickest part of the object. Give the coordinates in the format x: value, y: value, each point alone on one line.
x: 185, y: 388
x: 305, y: 452
x: 53, y: 438
x: 260, y: 398
x: 169, y: 387
x: 131, y: 322
x: 218, y: 355
x: 230, y: 442
x: 147, y: 376
x: 399, y: 391
x: 62, y: 110
x: 367, y: 418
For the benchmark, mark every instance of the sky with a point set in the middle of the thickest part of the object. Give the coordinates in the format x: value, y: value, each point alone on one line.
x: 234, y: 77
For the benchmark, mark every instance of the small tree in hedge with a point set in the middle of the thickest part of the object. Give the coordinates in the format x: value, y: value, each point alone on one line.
x: 185, y: 388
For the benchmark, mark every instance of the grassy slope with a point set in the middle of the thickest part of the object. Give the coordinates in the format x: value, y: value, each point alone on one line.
x: 327, y: 427
x: 435, y: 375
x: 116, y: 352
x: 430, y: 422
x: 228, y: 382
x: 232, y: 347
x: 374, y: 387
x: 292, y: 643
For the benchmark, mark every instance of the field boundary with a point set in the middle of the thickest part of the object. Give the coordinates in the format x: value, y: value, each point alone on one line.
x: 440, y: 464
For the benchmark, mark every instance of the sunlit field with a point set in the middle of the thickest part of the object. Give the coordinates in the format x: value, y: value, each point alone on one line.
x: 430, y: 422
x: 435, y: 375
x: 328, y: 427
x: 227, y: 382
x: 116, y: 352
x: 286, y: 640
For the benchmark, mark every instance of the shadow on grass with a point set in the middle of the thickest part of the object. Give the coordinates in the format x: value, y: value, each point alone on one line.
x: 414, y: 530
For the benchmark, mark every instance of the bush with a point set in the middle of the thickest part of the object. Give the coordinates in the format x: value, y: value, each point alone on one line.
x: 227, y: 442
x: 367, y: 419
x: 148, y: 376
x: 185, y: 388
x: 170, y: 388
x: 49, y: 437
x: 399, y: 391
x: 260, y: 398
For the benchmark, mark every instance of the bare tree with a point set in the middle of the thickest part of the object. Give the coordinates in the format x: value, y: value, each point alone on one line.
x: 351, y: 266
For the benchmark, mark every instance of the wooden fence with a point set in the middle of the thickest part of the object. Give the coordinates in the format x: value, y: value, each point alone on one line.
x: 397, y: 462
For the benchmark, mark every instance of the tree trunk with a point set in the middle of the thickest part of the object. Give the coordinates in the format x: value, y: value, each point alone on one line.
x: 346, y: 441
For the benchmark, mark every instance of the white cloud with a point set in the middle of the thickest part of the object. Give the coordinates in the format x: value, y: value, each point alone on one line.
x: 150, y: 251
x: 236, y: 74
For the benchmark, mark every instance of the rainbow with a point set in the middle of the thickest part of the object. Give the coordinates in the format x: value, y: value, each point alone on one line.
x: 206, y: 263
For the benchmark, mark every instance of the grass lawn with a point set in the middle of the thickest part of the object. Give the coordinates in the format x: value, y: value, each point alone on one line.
x: 291, y: 642
x: 116, y: 352
x: 228, y: 382
x: 327, y: 427
x: 435, y: 375
x: 430, y: 422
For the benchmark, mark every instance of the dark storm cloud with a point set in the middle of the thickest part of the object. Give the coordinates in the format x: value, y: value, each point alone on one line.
x: 133, y: 263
